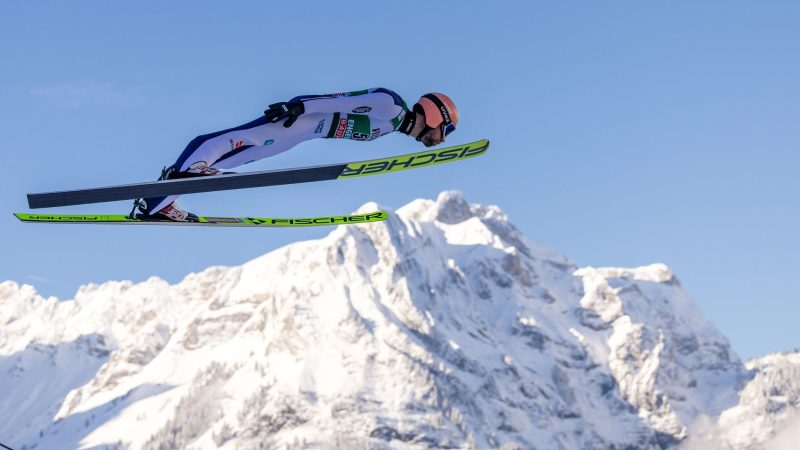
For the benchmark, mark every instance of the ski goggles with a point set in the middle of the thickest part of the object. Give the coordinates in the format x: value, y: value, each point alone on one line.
x: 447, y: 128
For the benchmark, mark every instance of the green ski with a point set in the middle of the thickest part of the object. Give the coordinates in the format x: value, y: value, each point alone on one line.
x: 207, y: 220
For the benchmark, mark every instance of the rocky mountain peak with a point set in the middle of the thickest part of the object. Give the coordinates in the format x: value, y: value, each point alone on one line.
x: 440, y: 327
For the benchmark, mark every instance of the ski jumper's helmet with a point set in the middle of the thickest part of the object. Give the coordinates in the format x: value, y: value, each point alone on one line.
x: 439, y: 111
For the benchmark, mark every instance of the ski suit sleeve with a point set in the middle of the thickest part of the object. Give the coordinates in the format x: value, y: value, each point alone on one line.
x: 378, y: 103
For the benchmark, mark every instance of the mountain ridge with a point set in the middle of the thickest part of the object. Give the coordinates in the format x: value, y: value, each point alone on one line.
x: 443, y: 326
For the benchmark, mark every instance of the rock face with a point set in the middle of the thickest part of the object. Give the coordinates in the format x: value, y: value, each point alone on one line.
x: 442, y: 327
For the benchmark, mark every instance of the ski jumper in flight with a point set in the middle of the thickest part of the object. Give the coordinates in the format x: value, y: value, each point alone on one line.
x: 361, y: 115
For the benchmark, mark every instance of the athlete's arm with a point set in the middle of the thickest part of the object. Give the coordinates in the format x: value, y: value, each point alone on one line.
x: 379, y: 103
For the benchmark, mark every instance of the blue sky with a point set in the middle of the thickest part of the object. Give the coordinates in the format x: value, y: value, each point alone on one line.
x: 623, y: 133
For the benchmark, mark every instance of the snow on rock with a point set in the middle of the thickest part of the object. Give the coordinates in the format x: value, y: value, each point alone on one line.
x: 767, y: 413
x: 441, y: 327
x: 668, y: 361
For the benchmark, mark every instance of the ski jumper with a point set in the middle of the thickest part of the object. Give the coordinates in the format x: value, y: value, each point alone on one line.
x: 359, y: 115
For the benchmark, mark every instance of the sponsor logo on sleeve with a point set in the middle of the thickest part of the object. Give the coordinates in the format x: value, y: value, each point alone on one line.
x: 362, y: 109
x: 236, y: 144
x: 348, y: 133
x: 376, y: 132
x: 340, y: 128
x: 320, y: 126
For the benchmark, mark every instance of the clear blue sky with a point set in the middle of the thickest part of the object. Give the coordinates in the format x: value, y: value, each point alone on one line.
x: 623, y: 133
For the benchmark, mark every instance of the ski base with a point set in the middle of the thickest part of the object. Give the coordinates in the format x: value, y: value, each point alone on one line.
x: 207, y: 220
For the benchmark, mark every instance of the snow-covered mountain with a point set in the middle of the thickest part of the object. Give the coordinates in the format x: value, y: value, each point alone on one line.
x: 442, y: 327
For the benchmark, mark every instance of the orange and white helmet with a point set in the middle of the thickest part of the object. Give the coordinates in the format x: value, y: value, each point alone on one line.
x: 439, y: 111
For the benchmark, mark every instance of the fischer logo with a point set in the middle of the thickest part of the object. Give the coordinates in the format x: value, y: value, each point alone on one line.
x: 412, y: 161
x: 340, y: 129
x: 362, y: 109
x: 66, y: 218
x: 318, y: 220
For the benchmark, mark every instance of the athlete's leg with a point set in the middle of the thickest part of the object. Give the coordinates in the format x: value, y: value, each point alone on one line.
x: 236, y: 146
x: 274, y: 139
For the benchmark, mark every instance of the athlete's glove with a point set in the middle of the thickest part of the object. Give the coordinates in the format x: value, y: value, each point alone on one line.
x: 284, y: 110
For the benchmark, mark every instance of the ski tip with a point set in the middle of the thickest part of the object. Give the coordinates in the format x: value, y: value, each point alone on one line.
x: 25, y: 217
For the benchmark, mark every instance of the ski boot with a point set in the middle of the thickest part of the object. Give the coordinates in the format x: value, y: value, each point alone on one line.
x: 172, y: 212
x: 198, y: 169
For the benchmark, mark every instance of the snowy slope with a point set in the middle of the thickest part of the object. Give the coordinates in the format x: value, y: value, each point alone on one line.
x: 766, y: 417
x: 441, y: 327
